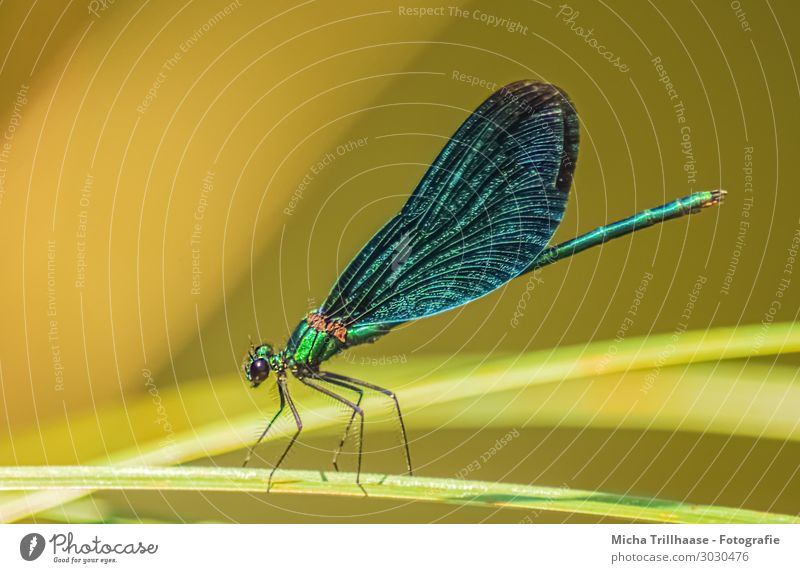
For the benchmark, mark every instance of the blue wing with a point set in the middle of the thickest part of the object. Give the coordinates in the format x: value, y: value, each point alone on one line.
x: 485, y: 209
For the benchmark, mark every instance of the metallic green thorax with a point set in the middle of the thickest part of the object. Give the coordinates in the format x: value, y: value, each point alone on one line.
x: 309, y: 347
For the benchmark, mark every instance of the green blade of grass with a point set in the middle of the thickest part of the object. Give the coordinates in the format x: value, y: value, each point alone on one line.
x: 199, y: 405
x: 445, y: 384
x: 731, y: 398
x: 485, y: 494
x: 694, y: 411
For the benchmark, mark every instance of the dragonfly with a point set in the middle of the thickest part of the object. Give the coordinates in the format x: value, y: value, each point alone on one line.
x: 483, y: 214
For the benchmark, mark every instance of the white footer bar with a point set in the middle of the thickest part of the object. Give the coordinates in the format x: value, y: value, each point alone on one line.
x: 399, y: 548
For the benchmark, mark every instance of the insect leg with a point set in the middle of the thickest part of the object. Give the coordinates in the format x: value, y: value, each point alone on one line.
x: 356, y: 411
x: 352, y: 415
x: 284, y: 389
x: 266, y: 430
x: 332, y: 375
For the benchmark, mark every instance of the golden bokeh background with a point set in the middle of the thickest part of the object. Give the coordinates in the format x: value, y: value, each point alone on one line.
x: 176, y: 177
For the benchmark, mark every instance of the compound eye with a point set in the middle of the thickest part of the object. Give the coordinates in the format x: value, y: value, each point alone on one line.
x: 259, y: 370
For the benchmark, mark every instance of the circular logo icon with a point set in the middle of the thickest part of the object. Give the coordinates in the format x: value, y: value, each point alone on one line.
x: 31, y: 546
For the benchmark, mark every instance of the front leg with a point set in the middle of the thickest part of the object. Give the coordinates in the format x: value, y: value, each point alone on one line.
x: 284, y: 390
x: 266, y: 430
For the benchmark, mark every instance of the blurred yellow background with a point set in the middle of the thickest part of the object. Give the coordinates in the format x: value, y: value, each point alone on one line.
x: 176, y: 177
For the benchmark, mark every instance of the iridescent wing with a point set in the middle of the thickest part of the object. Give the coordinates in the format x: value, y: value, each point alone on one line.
x: 485, y: 209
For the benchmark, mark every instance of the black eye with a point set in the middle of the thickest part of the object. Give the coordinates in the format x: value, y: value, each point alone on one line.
x: 259, y: 370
